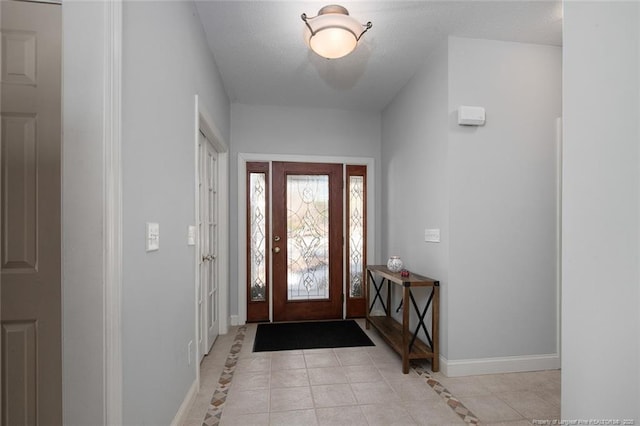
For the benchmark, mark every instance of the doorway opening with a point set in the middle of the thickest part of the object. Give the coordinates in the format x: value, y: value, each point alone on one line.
x: 208, y: 231
x: 210, y: 235
x: 306, y: 240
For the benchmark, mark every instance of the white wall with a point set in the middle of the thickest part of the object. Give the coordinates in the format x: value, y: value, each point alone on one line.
x: 82, y: 213
x: 415, y: 176
x: 165, y: 63
x: 492, y: 192
x: 601, y: 214
x: 502, y: 183
x: 294, y: 131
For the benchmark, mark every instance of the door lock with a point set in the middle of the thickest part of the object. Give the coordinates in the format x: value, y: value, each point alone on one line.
x: 276, y: 249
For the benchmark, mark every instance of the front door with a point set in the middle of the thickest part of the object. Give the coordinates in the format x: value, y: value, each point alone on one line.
x: 30, y: 348
x: 307, y: 241
x: 208, y: 224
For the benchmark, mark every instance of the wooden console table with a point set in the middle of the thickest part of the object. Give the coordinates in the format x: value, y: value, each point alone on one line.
x: 396, y: 334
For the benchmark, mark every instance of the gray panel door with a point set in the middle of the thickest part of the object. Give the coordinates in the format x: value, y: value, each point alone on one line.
x: 30, y: 215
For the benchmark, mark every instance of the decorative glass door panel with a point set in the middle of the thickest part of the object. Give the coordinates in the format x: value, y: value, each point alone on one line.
x: 258, y: 226
x: 307, y: 241
x: 258, y: 258
x: 356, y: 225
x: 308, y: 237
x: 356, y: 236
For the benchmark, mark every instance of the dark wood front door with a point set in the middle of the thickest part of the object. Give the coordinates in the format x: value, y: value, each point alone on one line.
x: 307, y: 241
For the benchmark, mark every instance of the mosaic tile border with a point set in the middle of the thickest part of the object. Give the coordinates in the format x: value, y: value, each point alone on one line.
x: 214, y: 412
x: 452, y: 401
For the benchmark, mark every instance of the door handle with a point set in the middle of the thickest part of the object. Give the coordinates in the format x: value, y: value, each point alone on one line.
x: 276, y: 249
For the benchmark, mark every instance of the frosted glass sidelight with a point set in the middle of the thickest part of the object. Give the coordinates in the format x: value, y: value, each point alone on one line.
x: 258, y: 239
x: 356, y: 235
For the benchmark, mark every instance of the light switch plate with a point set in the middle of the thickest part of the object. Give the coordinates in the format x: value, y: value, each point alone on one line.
x: 153, y: 236
x: 191, y: 236
x: 432, y: 235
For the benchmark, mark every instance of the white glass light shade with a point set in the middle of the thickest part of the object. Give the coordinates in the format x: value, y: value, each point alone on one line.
x: 336, y: 35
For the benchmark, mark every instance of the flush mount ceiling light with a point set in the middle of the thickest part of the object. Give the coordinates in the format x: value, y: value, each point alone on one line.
x: 333, y: 33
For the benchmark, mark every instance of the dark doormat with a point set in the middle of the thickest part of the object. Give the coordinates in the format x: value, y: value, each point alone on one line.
x: 309, y: 335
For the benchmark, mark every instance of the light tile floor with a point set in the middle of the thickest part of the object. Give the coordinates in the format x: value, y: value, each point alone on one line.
x: 357, y: 386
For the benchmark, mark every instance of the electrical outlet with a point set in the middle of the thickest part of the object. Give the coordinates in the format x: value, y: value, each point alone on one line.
x: 189, y: 351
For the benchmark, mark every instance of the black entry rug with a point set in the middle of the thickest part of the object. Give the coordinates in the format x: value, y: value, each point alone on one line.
x: 309, y: 335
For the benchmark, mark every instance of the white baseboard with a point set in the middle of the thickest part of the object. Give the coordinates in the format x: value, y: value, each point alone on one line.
x: 234, y: 320
x: 511, y: 364
x: 183, y: 411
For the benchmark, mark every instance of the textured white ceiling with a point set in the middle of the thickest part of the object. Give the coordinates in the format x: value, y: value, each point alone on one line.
x: 262, y: 58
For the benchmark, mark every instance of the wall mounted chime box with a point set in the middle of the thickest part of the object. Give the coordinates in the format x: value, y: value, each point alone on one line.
x: 470, y: 116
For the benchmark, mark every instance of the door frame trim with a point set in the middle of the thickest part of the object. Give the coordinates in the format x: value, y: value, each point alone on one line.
x: 204, y: 122
x: 112, y: 137
x: 243, y: 158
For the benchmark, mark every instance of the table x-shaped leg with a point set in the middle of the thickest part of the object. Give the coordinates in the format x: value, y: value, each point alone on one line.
x: 421, y: 315
x: 378, y: 289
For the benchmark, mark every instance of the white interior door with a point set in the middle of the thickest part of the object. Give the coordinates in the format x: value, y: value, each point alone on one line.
x: 208, y: 227
x: 30, y: 348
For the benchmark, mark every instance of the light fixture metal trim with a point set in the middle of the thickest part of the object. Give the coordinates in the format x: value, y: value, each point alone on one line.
x: 335, y: 45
